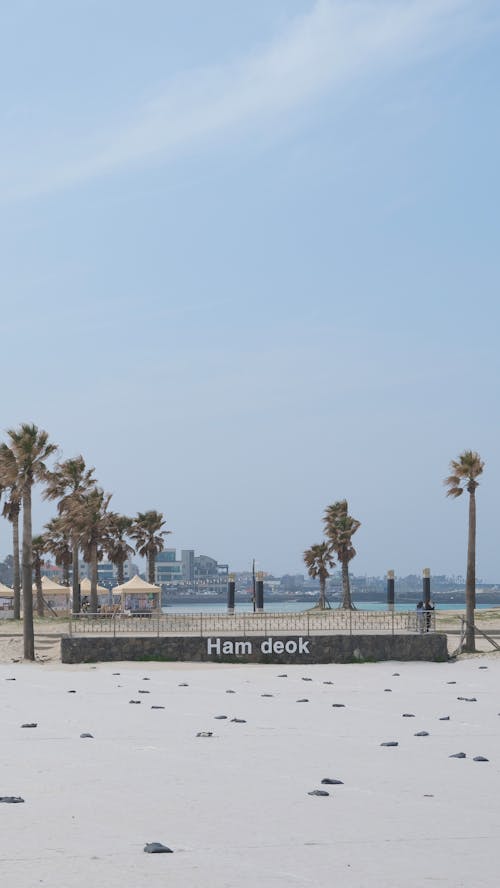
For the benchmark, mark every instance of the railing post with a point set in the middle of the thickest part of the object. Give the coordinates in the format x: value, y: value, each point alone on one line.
x: 70, y: 627
x: 201, y: 624
x: 114, y: 625
x: 350, y: 621
x: 392, y: 620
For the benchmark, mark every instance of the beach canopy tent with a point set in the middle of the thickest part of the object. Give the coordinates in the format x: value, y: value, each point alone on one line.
x: 54, y: 594
x: 6, y: 592
x: 6, y: 601
x: 85, y: 588
x: 138, y: 596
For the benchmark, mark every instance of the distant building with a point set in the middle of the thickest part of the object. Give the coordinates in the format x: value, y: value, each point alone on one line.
x: 167, y: 568
x: 107, y: 573
x: 206, y: 568
x: 189, y: 571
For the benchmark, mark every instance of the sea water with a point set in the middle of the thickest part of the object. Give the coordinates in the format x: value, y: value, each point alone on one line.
x: 290, y: 607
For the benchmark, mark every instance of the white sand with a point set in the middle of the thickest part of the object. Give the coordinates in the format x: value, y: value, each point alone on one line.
x: 234, y: 807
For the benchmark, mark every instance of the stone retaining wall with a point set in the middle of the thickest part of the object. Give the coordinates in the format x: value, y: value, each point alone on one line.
x: 262, y: 649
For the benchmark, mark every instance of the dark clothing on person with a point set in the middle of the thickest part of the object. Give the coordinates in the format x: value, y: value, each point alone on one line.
x: 420, y: 616
x: 428, y: 610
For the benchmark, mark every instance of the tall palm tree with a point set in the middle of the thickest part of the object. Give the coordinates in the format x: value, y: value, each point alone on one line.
x: 23, y: 463
x: 318, y: 559
x: 117, y: 548
x: 68, y: 483
x: 57, y: 541
x: 340, y: 527
x: 90, y: 520
x: 148, y: 535
x: 463, y: 474
x: 38, y: 549
x: 11, y: 509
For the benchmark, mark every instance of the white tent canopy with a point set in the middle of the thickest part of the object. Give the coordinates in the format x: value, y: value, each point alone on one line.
x: 136, y: 586
x: 85, y: 588
x: 50, y: 587
x: 6, y: 591
x: 139, y: 594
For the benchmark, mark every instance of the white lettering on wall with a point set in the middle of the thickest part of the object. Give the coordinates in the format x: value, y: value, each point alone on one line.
x: 213, y: 646
x: 217, y: 647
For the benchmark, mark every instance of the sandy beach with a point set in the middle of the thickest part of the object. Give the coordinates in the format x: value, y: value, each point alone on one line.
x: 235, y: 807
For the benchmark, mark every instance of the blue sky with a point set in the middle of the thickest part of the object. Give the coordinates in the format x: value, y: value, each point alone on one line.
x: 250, y: 264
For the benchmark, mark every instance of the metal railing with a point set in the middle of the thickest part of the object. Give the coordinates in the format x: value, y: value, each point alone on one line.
x: 206, y: 624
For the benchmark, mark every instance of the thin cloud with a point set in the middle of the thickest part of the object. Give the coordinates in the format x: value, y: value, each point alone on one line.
x: 336, y: 42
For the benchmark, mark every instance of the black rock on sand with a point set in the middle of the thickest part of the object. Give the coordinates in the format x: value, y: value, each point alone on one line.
x: 157, y: 848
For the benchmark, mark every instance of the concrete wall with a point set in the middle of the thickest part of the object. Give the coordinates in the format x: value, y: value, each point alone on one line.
x: 262, y: 649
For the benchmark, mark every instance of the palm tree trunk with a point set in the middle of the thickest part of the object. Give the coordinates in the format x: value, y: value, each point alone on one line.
x: 120, y: 573
x: 76, y: 578
x: 66, y: 566
x: 322, y: 593
x: 151, y: 567
x: 28, y: 631
x: 346, y: 589
x: 16, y: 580
x: 39, y: 593
x: 93, y: 578
x: 470, y: 580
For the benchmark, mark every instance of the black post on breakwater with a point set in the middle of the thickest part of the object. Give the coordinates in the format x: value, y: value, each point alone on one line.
x: 390, y: 589
x: 426, y: 586
x: 259, y: 589
x: 231, y: 587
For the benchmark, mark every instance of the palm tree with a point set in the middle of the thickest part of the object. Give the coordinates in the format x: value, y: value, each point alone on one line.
x: 23, y: 463
x: 57, y: 541
x: 11, y: 509
x: 38, y: 549
x: 340, y: 527
x: 464, y: 472
x: 117, y: 548
x: 68, y: 483
x: 318, y: 559
x: 148, y: 534
x: 90, y: 520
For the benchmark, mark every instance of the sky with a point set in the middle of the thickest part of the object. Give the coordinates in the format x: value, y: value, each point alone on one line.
x: 249, y: 265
